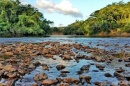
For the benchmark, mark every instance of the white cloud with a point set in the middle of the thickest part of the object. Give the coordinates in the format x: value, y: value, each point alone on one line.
x: 64, y: 7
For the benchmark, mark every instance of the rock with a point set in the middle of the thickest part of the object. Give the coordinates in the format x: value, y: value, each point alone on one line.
x: 120, y: 70
x: 9, y: 68
x: 85, y: 67
x: 63, y: 74
x: 107, y: 75
x: 127, y: 77
x: 21, y: 71
x: 100, y: 67
x: 59, y: 79
x: 64, y: 84
x: 113, y: 85
x: 71, y: 80
x: 49, y: 82
x: 116, y: 74
x: 127, y: 65
x: 66, y: 57
x: 98, y: 59
x: 87, y: 78
x: 79, y: 72
x: 123, y: 83
x: 120, y: 60
x: 12, y: 75
x: 126, y: 59
x: 45, y: 67
x: 32, y: 66
x: 40, y: 77
x: 65, y: 71
x: 60, y: 67
x: 9, y: 53
x: 37, y: 63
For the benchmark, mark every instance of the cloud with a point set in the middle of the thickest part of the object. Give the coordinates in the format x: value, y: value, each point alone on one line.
x: 64, y: 7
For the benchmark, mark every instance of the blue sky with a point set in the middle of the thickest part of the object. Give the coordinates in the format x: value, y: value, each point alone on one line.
x: 65, y: 12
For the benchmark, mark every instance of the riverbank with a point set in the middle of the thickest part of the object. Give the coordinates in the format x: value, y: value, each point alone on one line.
x: 63, y: 63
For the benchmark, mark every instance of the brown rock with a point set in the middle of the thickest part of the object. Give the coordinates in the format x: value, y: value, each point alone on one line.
x: 60, y: 67
x: 49, y: 82
x: 9, y: 53
x: 123, y: 83
x: 40, y: 77
x: 64, y: 84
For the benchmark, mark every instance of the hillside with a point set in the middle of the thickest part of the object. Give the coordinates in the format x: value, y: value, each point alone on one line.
x: 112, y: 20
x: 17, y: 19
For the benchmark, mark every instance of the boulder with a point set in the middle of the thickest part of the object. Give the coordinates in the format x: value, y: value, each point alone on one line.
x: 123, y: 83
x: 49, y: 82
x: 60, y: 67
x: 64, y: 84
x: 45, y: 66
x: 40, y: 77
x: 66, y: 57
x: 107, y: 75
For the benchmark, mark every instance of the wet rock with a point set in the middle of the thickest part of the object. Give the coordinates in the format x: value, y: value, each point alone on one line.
x: 80, y: 56
x: 65, y: 71
x: 71, y: 80
x: 49, y: 82
x: 100, y: 67
x: 59, y: 79
x: 116, y: 74
x: 123, y: 83
x: 79, y: 72
x: 126, y: 59
x: 9, y: 53
x: 113, y: 85
x: 86, y: 78
x: 60, y: 67
x: 63, y: 74
x: 85, y: 67
x: 21, y: 71
x: 107, y: 75
x: 40, y: 77
x: 9, y: 68
x: 127, y: 65
x: 12, y: 75
x: 32, y: 66
x: 98, y: 59
x: 64, y: 84
x: 120, y: 60
x: 45, y: 67
x: 119, y: 70
x: 127, y: 76
x: 37, y: 63
x: 97, y: 83
x: 66, y: 57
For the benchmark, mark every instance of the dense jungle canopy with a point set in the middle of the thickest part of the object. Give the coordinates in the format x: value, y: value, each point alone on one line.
x: 17, y: 19
x: 112, y: 20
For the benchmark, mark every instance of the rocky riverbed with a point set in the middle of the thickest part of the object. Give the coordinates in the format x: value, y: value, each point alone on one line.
x: 63, y: 64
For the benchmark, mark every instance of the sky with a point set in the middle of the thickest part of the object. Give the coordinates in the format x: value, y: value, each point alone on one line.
x: 65, y: 12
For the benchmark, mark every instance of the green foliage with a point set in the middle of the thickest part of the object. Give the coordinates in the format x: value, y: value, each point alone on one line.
x: 112, y: 18
x: 22, y: 20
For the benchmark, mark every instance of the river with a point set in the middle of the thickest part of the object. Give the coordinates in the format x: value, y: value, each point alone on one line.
x: 115, y: 44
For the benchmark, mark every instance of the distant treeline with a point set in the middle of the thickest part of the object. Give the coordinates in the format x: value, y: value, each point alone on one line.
x: 112, y: 20
x: 17, y: 19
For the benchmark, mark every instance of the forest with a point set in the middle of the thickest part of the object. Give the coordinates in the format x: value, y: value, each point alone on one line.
x: 112, y: 20
x: 17, y: 19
